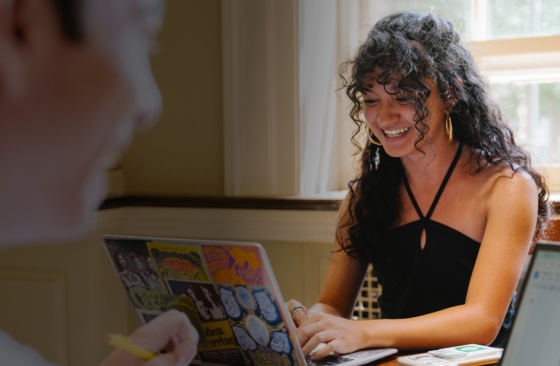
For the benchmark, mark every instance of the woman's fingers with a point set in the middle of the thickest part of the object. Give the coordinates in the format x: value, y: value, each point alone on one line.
x: 299, y: 315
x: 338, y: 334
x: 298, y: 311
x: 326, y: 350
x: 306, y: 332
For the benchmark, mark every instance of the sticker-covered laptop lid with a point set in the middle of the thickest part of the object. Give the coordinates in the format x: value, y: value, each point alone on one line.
x: 227, y: 290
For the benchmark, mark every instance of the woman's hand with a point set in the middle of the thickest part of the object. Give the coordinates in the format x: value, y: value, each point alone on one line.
x: 172, y: 332
x: 340, y: 335
x: 316, y: 326
x: 299, y: 312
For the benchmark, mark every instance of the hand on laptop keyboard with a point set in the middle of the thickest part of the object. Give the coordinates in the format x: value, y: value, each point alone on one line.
x: 319, y: 346
x: 299, y: 312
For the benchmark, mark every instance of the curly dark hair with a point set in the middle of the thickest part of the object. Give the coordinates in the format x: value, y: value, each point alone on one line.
x: 414, y: 46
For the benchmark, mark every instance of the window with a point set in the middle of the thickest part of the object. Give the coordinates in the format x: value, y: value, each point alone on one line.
x: 517, y: 45
x: 519, y: 51
x: 280, y: 63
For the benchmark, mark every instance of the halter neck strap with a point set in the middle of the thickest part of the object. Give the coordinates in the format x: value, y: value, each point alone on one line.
x: 441, y: 187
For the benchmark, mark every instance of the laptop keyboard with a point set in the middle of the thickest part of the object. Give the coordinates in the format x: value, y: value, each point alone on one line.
x: 368, y: 355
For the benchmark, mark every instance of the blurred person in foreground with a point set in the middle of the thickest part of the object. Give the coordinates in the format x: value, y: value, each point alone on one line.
x: 75, y: 84
x: 445, y: 204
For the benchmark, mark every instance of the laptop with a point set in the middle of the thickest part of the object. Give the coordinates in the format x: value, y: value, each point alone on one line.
x: 535, y: 333
x: 228, y: 291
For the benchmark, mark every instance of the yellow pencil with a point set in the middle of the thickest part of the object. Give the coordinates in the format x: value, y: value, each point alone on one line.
x: 124, y: 343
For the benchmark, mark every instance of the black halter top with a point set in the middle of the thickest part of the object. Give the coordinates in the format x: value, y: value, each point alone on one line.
x: 417, y: 281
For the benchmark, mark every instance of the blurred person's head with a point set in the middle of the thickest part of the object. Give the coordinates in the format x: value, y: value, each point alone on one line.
x: 75, y: 83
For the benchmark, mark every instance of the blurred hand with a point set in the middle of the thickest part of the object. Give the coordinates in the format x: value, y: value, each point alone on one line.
x: 299, y: 312
x: 172, y: 332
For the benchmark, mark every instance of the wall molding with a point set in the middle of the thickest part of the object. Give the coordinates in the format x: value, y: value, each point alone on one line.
x: 224, y: 224
x: 261, y: 203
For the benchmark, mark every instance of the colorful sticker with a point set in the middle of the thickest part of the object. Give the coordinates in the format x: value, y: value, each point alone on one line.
x: 219, y: 336
x: 245, y: 342
x: 236, y: 265
x: 134, y: 265
x: 178, y: 262
x: 244, y: 298
x: 146, y: 299
x: 280, y: 342
x: 185, y: 305
x: 257, y: 325
x: 267, y: 307
x: 228, y: 301
x: 257, y: 329
x: 204, y: 296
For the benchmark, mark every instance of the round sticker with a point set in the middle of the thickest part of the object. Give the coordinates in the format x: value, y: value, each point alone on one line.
x: 244, y: 298
x: 257, y: 329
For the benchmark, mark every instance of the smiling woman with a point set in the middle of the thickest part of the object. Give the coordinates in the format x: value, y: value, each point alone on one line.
x: 445, y: 204
x: 516, y: 45
x: 390, y: 115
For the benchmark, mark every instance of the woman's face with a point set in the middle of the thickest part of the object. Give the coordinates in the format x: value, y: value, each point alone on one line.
x: 391, y: 119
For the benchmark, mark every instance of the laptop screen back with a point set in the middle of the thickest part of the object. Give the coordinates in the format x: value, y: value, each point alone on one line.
x: 534, y: 339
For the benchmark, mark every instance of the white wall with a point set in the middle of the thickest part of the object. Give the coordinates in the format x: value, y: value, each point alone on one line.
x: 183, y: 154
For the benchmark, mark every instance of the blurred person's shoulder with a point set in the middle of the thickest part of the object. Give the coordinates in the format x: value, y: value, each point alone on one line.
x: 17, y: 354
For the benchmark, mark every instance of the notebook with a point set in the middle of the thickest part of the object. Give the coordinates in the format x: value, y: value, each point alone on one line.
x: 535, y: 333
x: 228, y: 291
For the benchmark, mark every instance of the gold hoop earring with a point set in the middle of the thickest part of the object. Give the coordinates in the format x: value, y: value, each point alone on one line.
x: 449, y: 128
x: 371, y: 139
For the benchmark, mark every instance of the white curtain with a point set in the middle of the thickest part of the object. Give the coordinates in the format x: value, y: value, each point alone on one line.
x: 330, y: 31
x: 286, y: 129
x: 317, y: 82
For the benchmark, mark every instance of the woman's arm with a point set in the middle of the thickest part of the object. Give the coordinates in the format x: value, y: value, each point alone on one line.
x: 511, y: 212
x: 344, y: 280
x: 342, y: 284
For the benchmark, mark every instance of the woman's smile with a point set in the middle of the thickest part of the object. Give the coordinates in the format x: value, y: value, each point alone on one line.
x: 395, y: 133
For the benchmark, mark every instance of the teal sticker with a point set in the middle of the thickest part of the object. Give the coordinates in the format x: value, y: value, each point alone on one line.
x: 468, y: 349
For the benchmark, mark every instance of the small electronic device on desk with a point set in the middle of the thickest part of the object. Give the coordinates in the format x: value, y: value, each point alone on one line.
x: 470, y: 354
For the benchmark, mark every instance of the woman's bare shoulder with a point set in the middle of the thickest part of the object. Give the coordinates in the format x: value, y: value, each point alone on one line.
x: 500, y: 180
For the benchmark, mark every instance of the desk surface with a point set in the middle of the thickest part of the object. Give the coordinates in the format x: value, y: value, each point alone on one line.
x: 392, y: 360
